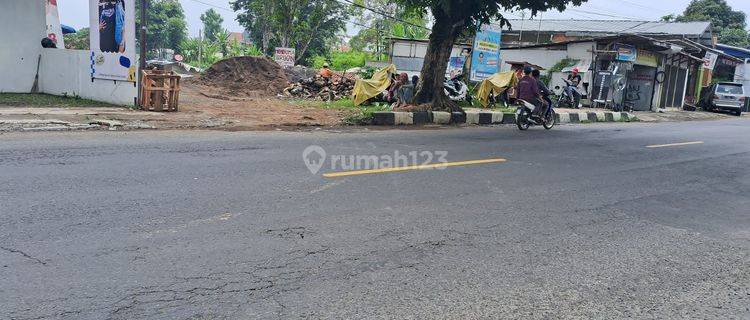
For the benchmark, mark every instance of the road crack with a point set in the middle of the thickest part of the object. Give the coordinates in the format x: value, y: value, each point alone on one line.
x: 25, y: 255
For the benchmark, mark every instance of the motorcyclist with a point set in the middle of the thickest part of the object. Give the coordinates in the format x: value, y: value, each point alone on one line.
x: 528, y: 90
x: 542, y: 87
x: 572, y: 90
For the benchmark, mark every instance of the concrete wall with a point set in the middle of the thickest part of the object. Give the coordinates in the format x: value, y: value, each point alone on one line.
x: 68, y: 72
x: 538, y: 56
x: 22, y: 27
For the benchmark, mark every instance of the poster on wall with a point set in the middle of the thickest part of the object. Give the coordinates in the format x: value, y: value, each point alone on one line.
x: 284, y: 57
x: 626, y: 52
x: 112, y: 39
x: 54, y: 29
x: 455, y: 66
x: 485, y: 59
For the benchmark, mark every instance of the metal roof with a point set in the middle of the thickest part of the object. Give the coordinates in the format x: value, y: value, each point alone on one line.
x: 611, y: 26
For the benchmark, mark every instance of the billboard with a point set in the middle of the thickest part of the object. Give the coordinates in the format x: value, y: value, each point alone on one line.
x: 54, y: 30
x: 485, y: 58
x: 284, y: 57
x: 113, y: 39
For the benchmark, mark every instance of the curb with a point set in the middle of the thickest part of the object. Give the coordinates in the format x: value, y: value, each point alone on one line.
x: 391, y: 118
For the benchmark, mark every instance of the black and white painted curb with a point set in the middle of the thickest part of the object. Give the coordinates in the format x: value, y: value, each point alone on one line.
x: 488, y: 117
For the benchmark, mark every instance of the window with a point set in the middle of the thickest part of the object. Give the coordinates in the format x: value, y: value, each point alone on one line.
x: 729, y: 89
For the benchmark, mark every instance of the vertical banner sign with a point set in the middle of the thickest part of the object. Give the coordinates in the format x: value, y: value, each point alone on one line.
x: 54, y: 30
x: 284, y: 57
x: 709, y: 61
x: 485, y: 59
x: 113, y: 39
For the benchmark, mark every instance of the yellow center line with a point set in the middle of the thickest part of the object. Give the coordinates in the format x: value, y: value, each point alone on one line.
x: 674, y: 144
x: 407, y: 168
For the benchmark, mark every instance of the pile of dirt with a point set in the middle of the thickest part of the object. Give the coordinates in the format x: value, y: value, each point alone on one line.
x: 338, y: 87
x: 246, y: 76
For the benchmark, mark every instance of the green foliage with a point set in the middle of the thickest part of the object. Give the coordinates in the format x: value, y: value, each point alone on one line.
x: 734, y: 37
x: 372, y: 38
x: 212, y: 24
x: 728, y: 25
x: 342, y: 61
x: 78, y: 40
x: 308, y: 26
x: 367, y: 72
x: 166, y: 28
x: 562, y: 64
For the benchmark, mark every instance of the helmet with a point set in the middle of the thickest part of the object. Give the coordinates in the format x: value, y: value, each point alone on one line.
x: 527, y: 70
x: 575, y: 70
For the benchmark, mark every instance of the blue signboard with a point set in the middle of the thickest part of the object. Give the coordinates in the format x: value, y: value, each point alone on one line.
x: 626, y: 52
x: 485, y: 59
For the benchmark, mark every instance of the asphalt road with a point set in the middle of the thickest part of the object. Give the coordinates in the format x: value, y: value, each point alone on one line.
x: 583, y: 221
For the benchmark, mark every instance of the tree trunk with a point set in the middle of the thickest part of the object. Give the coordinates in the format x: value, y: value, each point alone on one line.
x: 430, y: 88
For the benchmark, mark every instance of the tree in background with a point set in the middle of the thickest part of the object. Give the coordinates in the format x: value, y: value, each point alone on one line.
x: 727, y: 24
x: 309, y: 26
x: 211, y: 24
x: 408, y: 24
x: 78, y: 40
x: 166, y: 28
x: 454, y: 18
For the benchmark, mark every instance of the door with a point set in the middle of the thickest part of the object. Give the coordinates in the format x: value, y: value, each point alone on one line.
x: 640, y: 89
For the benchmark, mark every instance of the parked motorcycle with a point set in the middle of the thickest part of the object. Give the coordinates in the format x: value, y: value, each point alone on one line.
x: 525, y: 118
x: 456, y: 89
x: 568, y: 97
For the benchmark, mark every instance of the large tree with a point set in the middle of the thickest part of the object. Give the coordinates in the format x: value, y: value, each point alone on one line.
x: 166, y: 28
x: 306, y: 25
x: 384, y: 18
x: 211, y: 24
x: 453, y: 18
x: 727, y: 24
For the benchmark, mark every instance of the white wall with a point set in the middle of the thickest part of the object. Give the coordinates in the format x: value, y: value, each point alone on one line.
x: 68, y: 72
x: 22, y: 27
x: 539, y: 56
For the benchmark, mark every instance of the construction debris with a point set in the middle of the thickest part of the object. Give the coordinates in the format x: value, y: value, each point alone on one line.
x: 338, y: 87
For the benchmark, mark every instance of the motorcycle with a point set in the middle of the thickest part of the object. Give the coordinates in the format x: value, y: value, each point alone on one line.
x: 525, y: 118
x: 568, y: 98
x: 456, y: 89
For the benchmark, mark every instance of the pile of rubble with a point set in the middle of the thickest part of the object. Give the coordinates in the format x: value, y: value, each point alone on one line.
x: 335, y: 88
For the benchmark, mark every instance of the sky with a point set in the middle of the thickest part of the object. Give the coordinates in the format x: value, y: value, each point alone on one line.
x: 75, y: 12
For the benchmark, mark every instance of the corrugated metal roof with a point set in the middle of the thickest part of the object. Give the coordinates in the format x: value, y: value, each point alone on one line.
x: 612, y: 26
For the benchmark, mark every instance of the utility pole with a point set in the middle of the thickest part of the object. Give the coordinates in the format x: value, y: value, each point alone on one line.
x: 142, y: 61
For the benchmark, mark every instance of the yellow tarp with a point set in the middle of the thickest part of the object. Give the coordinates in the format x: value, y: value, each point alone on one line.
x: 497, y: 83
x: 366, y: 89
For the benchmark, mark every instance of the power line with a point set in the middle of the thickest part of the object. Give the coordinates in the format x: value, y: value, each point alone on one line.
x: 384, y: 14
x: 213, y: 5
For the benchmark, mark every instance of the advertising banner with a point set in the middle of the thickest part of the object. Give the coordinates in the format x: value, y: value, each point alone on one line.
x: 455, y: 66
x: 284, y: 57
x: 626, y: 52
x: 113, y: 39
x: 54, y: 30
x: 485, y: 59
x: 709, y: 61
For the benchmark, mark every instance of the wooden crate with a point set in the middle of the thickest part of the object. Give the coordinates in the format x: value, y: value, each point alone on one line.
x: 160, y: 91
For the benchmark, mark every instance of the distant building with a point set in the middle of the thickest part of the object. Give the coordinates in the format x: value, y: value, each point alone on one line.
x: 530, y: 32
x: 240, y: 37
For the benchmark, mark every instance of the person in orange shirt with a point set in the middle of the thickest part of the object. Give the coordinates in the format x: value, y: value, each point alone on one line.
x: 326, y: 72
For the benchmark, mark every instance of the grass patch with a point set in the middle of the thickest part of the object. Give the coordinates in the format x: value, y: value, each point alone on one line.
x: 335, y: 104
x: 365, y: 114
x: 47, y: 101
